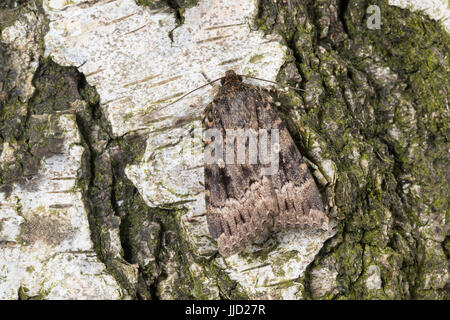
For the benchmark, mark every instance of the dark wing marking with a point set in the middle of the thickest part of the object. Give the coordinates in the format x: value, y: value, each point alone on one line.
x: 243, y: 205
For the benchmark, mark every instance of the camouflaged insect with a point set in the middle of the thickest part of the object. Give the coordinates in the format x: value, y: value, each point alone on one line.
x: 244, y: 206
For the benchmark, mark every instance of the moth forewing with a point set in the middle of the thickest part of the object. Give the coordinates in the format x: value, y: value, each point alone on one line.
x: 261, y: 184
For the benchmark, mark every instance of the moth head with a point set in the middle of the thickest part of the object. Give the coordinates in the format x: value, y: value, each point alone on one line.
x: 230, y: 76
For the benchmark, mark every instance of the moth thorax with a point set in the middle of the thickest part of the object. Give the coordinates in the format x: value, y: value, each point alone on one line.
x: 230, y: 76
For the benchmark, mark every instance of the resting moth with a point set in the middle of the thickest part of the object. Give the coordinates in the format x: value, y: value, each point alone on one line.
x: 243, y: 204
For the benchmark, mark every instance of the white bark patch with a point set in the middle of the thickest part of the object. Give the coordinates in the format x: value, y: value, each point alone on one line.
x: 323, y: 282
x: 23, y: 37
x: 126, y: 52
x: 373, y: 281
x: 45, y: 242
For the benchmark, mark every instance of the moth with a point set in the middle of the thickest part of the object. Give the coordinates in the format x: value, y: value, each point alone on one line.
x: 245, y: 202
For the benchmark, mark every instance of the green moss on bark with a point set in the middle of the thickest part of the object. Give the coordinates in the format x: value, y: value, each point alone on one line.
x: 376, y: 101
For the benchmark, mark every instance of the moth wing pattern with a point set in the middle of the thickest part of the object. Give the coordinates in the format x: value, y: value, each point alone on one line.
x: 244, y: 206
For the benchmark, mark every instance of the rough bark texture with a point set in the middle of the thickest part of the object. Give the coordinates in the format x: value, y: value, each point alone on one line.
x: 380, y: 111
x: 375, y: 103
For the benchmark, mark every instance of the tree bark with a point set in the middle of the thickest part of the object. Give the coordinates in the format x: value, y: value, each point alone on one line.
x: 373, y: 107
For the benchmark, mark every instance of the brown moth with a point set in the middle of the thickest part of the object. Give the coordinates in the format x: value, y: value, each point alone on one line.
x: 243, y: 204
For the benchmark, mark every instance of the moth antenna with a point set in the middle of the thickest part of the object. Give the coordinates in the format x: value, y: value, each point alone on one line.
x: 186, y: 94
x: 274, y: 82
x: 206, y: 77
